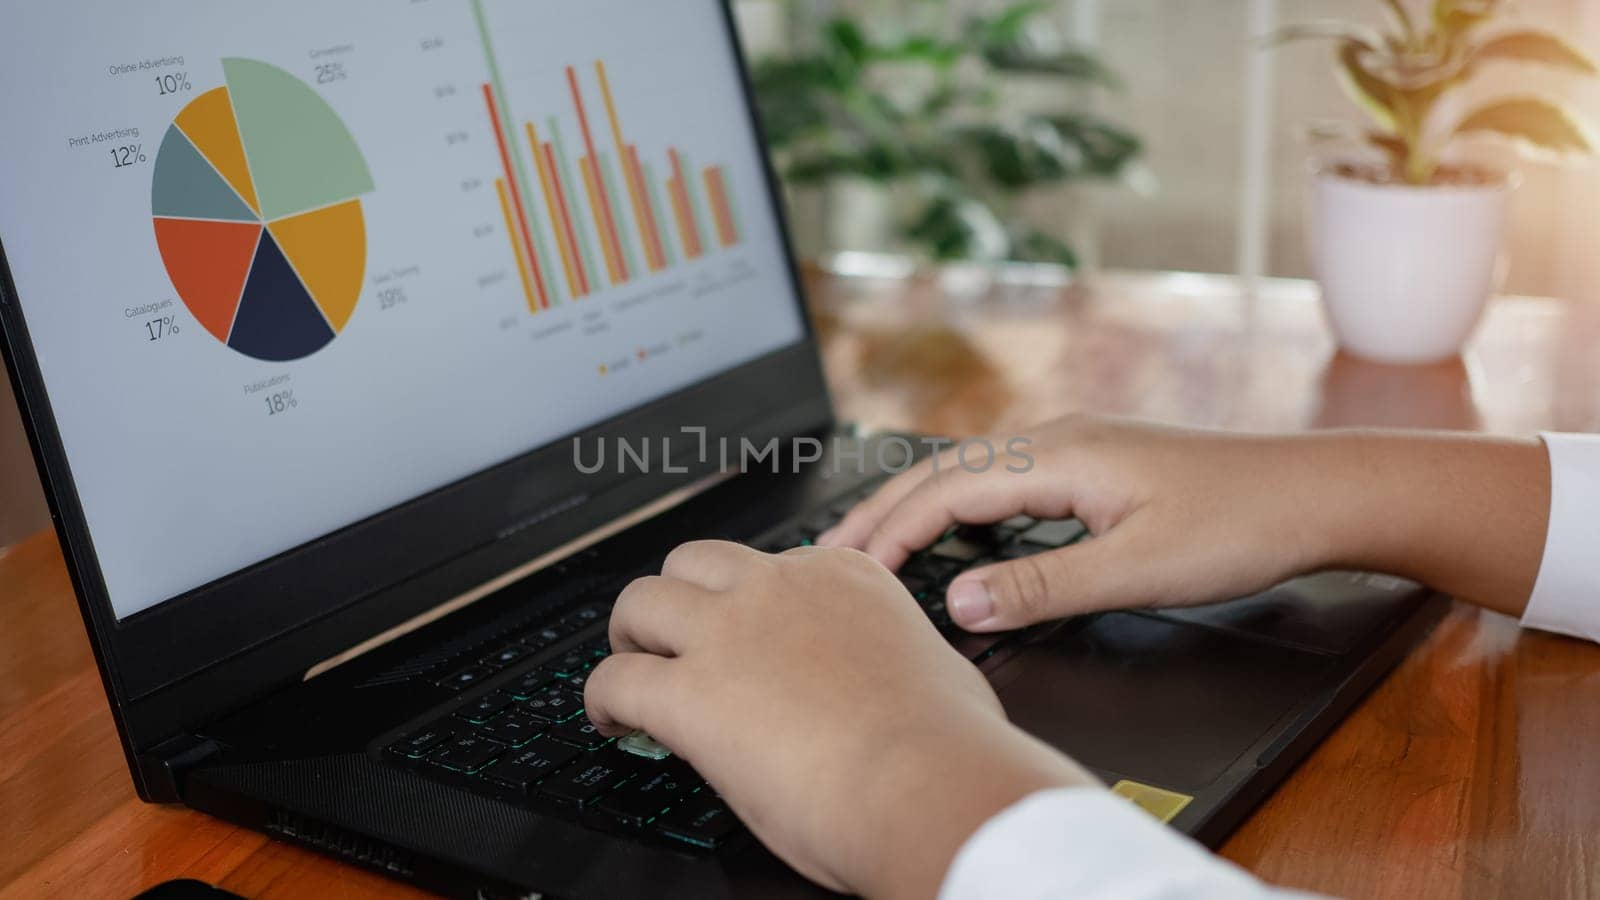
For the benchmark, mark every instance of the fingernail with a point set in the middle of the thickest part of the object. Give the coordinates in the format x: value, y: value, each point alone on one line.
x: 969, y: 603
x: 825, y: 539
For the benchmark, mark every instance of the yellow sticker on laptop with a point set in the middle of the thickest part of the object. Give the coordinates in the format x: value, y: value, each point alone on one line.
x: 1164, y: 805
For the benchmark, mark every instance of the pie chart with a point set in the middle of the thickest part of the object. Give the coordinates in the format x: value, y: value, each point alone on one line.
x: 257, y: 205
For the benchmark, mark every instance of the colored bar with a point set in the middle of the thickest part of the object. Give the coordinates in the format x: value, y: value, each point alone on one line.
x: 608, y: 180
x: 717, y: 191
x: 680, y: 208
x: 733, y: 204
x: 697, y: 207
x: 656, y: 211
x: 516, y: 245
x: 569, y: 192
x: 516, y: 196
x: 635, y: 189
x: 567, y: 220
x: 516, y: 173
x: 607, y: 249
x: 553, y: 207
x: 603, y: 212
x: 647, y: 209
x: 679, y: 188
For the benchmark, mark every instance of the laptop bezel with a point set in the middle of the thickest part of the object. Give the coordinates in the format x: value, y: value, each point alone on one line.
x: 230, y: 641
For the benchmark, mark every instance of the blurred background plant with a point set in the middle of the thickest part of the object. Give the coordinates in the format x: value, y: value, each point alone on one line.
x: 1405, y: 75
x: 912, y: 97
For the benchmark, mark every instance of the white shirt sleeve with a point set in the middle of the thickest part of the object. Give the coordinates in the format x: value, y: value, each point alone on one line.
x: 1566, y: 597
x: 1087, y: 844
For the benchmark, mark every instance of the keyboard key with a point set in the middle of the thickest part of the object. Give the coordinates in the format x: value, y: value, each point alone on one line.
x: 701, y: 820
x: 556, y: 704
x: 532, y: 684
x: 959, y: 550
x: 932, y: 569
x: 1019, y: 523
x: 585, y: 617
x: 975, y: 646
x: 514, y: 729
x: 579, y: 732
x: 917, y: 585
x: 987, y: 536
x: 640, y: 801
x: 575, y: 681
x: 1055, y: 534
x: 417, y: 744
x: 544, y: 637
x: 465, y: 678
x: 522, y: 769
x: 786, y: 540
x: 505, y: 656
x: 582, y: 784
x: 572, y: 663
x: 641, y: 744
x: 467, y: 753
x: 1021, y: 549
x: 486, y: 708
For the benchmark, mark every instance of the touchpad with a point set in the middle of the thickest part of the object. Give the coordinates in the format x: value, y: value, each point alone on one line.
x: 1162, y: 701
x: 1333, y: 612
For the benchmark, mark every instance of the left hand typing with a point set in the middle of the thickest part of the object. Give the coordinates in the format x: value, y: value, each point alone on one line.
x: 814, y: 695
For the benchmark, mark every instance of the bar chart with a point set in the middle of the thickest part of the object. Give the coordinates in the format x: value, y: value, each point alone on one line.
x: 608, y: 217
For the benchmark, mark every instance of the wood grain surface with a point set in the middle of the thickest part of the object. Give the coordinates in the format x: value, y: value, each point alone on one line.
x: 1473, y: 771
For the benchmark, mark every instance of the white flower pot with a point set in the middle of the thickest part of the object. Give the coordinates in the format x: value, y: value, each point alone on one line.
x: 1405, y: 271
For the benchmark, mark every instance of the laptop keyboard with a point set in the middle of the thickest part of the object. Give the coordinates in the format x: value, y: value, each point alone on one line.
x: 519, y: 733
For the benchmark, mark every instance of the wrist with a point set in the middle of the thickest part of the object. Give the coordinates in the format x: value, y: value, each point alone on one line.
x: 934, y: 790
x: 1464, y: 515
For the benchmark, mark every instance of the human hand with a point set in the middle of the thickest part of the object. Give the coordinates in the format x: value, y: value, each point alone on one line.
x: 1183, y: 517
x: 816, y: 697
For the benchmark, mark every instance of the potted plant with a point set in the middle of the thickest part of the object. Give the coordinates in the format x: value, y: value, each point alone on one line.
x: 1406, y: 241
x: 910, y: 104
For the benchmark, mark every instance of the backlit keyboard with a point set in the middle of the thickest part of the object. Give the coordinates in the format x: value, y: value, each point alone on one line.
x: 518, y: 732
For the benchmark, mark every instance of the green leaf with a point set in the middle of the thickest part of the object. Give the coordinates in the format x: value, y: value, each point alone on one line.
x: 793, y: 97
x: 1013, y: 26
x: 1108, y: 150
x: 1040, y: 151
x: 1075, y: 65
x: 1010, y: 25
x: 1535, y: 47
x: 1035, y: 246
x: 880, y: 161
x: 922, y: 48
x: 954, y: 227
x: 844, y: 37
x: 1020, y: 156
x: 1531, y: 124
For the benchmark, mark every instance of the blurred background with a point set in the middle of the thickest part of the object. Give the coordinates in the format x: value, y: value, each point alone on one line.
x: 1092, y: 134
x: 1220, y: 178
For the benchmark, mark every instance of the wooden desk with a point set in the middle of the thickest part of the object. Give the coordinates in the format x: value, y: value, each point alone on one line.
x: 1473, y: 771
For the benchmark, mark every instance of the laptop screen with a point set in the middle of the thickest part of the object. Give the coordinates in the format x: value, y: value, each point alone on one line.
x: 287, y: 265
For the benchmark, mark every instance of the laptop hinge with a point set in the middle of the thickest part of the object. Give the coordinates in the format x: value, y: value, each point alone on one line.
x: 164, y: 766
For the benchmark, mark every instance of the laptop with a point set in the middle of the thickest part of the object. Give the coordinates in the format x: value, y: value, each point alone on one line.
x: 368, y: 349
